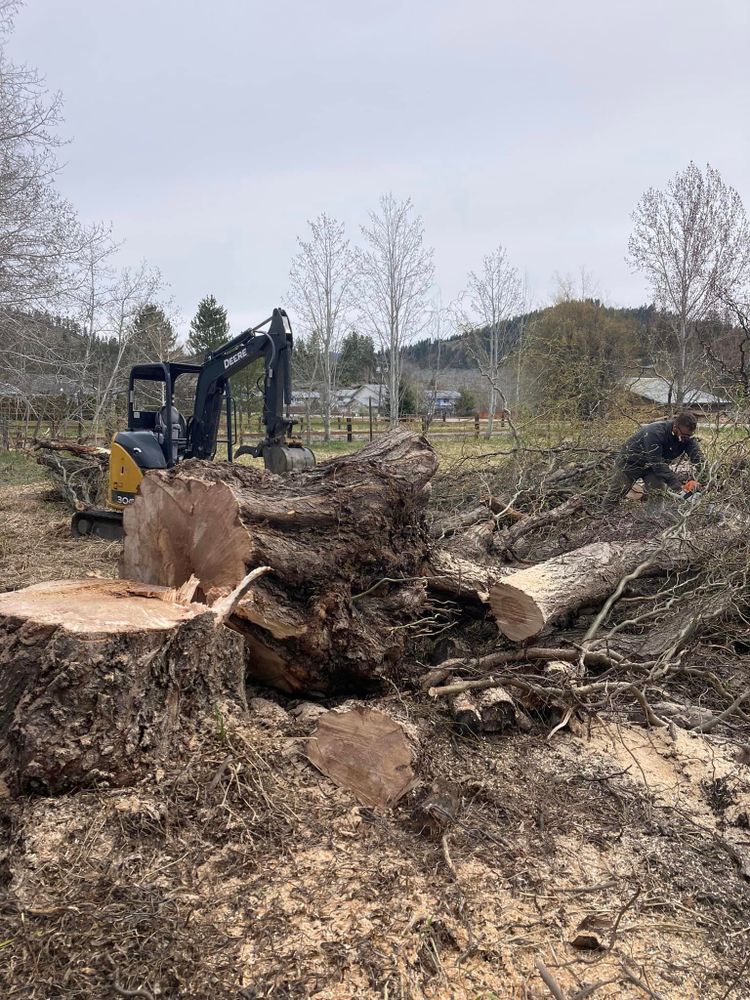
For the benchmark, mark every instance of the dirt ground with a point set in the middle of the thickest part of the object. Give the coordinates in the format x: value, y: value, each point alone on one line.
x: 241, y: 872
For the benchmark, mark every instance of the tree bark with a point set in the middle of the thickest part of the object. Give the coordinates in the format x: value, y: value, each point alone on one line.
x: 346, y: 543
x: 504, y: 544
x: 468, y: 581
x: 102, y: 679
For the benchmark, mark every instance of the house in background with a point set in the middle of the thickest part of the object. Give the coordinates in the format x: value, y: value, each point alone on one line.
x: 356, y: 399
x: 442, y: 402
x: 656, y: 392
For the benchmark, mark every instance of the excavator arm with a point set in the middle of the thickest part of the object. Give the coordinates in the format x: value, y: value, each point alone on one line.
x: 274, y: 345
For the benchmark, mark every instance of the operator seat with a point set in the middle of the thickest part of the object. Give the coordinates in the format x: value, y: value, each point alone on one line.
x: 179, y: 433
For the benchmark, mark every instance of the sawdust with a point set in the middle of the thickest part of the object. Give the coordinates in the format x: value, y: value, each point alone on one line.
x: 240, y: 872
x: 249, y: 871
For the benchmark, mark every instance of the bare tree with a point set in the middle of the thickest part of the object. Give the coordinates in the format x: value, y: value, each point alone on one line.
x: 322, y: 289
x: 40, y: 237
x: 492, y: 297
x: 692, y: 241
x: 395, y: 272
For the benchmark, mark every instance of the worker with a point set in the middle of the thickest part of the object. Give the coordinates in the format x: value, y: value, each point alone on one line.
x: 647, y: 454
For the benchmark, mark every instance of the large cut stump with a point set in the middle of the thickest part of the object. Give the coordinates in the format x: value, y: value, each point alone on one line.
x: 346, y: 543
x: 101, y: 679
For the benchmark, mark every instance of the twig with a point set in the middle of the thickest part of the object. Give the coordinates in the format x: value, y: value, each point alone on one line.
x: 714, y: 722
x: 549, y: 980
x: 146, y: 994
x: 620, y: 914
x: 447, y: 857
x: 736, y: 979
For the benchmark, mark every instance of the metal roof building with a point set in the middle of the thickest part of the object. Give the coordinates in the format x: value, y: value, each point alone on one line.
x: 656, y: 389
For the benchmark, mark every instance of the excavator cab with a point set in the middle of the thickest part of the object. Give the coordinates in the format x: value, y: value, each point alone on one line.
x: 159, y: 435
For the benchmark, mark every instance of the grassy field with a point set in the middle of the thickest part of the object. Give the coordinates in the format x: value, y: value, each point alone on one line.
x: 17, y: 468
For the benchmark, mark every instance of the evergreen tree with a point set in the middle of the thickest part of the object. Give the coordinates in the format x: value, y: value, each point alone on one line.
x: 357, y: 362
x: 152, y: 336
x: 466, y: 404
x: 209, y: 328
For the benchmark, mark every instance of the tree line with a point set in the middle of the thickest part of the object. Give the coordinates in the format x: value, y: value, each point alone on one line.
x: 72, y: 321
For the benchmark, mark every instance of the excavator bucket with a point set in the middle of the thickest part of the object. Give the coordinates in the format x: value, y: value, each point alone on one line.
x: 280, y: 459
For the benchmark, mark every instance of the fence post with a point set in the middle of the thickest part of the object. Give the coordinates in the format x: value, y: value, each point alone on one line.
x: 348, y: 428
x: 476, y: 426
x: 369, y: 407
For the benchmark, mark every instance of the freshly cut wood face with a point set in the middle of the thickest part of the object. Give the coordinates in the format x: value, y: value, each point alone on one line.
x: 364, y: 751
x: 173, y: 531
x: 98, y: 606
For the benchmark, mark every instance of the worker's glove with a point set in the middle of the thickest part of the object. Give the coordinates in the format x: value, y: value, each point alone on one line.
x: 690, y: 490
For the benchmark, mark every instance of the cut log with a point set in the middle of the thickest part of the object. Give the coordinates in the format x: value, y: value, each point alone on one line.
x: 465, y: 714
x: 101, y: 679
x: 365, y: 751
x: 468, y: 581
x: 496, y: 709
x: 489, y: 711
x: 526, y: 602
x: 346, y: 542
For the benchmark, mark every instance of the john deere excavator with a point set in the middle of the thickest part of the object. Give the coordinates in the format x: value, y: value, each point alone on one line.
x: 160, y: 438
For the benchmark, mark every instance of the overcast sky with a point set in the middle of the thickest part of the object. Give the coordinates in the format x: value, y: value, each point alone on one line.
x: 208, y: 133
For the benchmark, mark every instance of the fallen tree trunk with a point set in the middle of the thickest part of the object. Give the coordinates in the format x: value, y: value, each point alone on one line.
x: 102, y: 679
x: 526, y: 602
x: 346, y: 542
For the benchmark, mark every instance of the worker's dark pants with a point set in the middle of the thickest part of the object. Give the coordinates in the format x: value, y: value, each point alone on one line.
x: 625, y: 475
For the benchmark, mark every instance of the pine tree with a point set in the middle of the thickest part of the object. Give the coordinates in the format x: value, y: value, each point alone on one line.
x: 152, y: 337
x: 209, y: 328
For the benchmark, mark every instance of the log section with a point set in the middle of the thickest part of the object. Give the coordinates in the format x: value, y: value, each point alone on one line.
x: 525, y: 602
x: 346, y: 543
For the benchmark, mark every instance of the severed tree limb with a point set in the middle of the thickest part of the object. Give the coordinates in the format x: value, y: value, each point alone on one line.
x: 504, y: 543
x: 549, y: 980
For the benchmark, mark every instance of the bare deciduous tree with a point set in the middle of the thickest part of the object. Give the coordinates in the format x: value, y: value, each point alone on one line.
x: 322, y: 286
x: 492, y: 297
x: 692, y: 241
x: 395, y: 271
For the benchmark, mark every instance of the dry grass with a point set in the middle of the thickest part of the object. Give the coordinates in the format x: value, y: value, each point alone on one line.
x: 36, y: 544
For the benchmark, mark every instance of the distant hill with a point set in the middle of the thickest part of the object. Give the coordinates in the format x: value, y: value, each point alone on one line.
x: 455, y: 351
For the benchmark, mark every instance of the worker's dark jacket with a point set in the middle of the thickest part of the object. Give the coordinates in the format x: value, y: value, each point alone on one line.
x: 653, y: 447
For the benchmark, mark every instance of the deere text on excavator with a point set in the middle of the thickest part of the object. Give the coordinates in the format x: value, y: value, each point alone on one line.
x: 160, y: 438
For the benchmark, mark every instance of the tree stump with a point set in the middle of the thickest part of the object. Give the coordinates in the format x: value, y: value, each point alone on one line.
x: 101, y: 679
x: 346, y: 542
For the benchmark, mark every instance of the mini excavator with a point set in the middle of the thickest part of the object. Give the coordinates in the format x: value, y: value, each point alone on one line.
x: 161, y: 438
